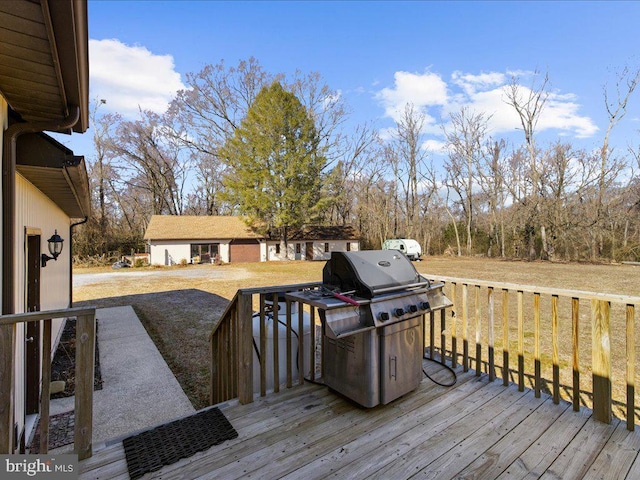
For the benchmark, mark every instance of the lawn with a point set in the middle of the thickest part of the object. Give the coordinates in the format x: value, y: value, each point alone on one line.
x: 179, y: 305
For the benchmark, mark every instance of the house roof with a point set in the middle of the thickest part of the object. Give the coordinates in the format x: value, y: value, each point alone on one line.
x: 44, y: 60
x: 54, y: 170
x: 189, y: 227
x: 317, y: 232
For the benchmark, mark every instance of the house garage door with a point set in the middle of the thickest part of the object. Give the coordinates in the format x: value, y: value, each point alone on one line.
x: 244, y: 251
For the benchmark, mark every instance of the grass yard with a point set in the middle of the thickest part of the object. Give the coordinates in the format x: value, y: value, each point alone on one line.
x: 179, y: 305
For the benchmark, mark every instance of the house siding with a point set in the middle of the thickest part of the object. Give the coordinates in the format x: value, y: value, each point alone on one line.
x: 318, y: 249
x: 36, y: 211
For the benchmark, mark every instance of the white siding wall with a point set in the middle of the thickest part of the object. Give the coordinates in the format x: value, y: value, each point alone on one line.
x: 35, y: 210
x: 318, y: 249
x: 171, y: 252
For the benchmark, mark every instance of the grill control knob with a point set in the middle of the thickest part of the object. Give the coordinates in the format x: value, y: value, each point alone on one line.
x: 383, y: 316
x: 425, y: 305
x: 398, y: 312
x: 413, y: 308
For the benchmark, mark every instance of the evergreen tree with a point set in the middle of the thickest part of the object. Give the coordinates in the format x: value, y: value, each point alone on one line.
x: 275, y: 163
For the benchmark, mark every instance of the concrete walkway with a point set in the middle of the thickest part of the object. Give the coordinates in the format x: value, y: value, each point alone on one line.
x: 139, y: 390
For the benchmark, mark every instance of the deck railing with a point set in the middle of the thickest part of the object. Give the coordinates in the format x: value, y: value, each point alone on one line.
x: 85, y: 363
x: 586, y: 360
x: 232, y: 344
x: 545, y: 328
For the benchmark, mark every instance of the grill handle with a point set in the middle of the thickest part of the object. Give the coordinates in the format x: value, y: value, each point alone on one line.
x: 396, y: 288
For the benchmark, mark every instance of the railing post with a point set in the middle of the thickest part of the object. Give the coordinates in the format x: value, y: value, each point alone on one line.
x: 7, y: 334
x: 245, y: 349
x: 601, y: 350
x: 85, y: 365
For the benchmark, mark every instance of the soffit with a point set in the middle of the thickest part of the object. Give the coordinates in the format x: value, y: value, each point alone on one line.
x: 44, y: 59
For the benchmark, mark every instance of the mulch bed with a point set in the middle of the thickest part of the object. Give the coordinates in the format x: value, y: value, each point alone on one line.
x: 63, y: 366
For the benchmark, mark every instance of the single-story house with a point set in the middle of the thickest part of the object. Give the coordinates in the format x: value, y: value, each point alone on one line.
x: 315, y: 243
x: 203, y: 239
x: 44, y: 86
x: 175, y: 239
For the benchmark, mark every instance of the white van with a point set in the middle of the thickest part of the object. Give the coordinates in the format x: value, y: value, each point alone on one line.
x: 408, y: 246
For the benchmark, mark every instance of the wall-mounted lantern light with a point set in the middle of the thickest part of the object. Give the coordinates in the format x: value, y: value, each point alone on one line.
x: 55, y: 248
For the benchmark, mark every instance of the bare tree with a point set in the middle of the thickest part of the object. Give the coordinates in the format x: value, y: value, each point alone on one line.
x: 465, y: 143
x: 408, y: 157
x: 529, y: 104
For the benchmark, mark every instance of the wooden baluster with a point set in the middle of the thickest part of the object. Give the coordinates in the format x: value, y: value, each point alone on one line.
x: 312, y: 347
x: 601, y: 350
x: 432, y: 335
x: 276, y: 343
x: 505, y: 337
x: 575, y: 337
x: 301, y: 370
x: 478, y: 333
x: 631, y: 362
x: 443, y: 338
x: 263, y: 345
x: 465, y: 328
x: 289, y: 346
x: 490, y: 307
x: 555, y: 348
x: 45, y: 396
x: 454, y: 334
x: 536, y: 344
x: 520, y: 340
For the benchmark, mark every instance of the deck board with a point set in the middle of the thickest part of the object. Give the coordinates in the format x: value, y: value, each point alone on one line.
x: 476, y: 429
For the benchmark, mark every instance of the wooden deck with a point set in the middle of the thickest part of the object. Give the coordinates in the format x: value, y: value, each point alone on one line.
x: 476, y: 429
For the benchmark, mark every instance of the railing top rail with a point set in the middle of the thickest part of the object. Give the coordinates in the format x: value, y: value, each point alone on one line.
x: 625, y: 299
x: 261, y: 290
x: 45, y: 315
x: 278, y: 288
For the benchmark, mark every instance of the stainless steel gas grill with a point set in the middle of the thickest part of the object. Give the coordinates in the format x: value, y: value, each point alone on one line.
x: 372, y: 305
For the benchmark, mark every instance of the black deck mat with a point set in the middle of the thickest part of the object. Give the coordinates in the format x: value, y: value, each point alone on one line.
x: 151, y: 450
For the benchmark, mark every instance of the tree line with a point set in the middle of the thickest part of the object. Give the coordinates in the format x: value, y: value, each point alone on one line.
x: 282, y: 152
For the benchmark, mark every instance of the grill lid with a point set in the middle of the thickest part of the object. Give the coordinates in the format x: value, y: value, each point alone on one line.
x: 371, y: 272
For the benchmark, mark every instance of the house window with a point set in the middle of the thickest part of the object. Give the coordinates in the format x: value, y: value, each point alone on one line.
x: 204, y: 252
x: 348, y: 246
x: 326, y: 247
x: 298, y: 250
x: 277, y: 249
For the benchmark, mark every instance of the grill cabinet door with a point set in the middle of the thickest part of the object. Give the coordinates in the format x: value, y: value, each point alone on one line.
x: 401, y: 354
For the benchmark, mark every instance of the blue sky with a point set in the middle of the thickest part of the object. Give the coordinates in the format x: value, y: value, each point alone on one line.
x: 379, y: 55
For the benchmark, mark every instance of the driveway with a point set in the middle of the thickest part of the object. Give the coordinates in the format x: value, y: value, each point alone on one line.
x: 194, y: 271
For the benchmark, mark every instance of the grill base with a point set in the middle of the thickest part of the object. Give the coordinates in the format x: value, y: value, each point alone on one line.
x: 376, y: 366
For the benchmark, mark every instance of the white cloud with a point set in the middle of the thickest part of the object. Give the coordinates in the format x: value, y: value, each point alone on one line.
x: 130, y: 78
x: 484, y: 92
x: 422, y: 90
x: 436, y: 146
